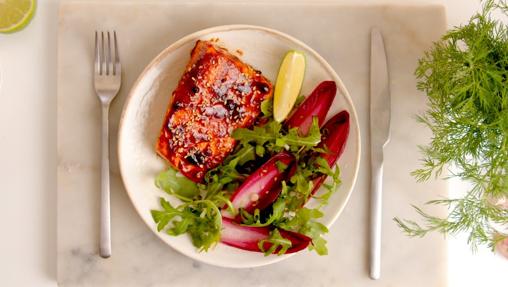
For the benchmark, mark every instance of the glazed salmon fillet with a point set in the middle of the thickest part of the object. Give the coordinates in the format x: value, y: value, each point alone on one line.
x: 216, y: 94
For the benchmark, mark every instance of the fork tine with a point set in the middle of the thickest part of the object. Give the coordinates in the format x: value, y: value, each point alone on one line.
x: 105, y: 45
x: 97, y: 54
x: 103, y: 56
x: 110, y: 59
x: 117, y: 56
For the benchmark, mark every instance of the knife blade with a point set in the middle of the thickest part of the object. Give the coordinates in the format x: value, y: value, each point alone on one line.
x: 379, y: 137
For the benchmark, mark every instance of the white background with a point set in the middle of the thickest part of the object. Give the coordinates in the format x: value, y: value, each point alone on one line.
x: 28, y: 159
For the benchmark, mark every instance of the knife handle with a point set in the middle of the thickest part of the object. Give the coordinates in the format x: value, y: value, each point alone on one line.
x: 376, y: 213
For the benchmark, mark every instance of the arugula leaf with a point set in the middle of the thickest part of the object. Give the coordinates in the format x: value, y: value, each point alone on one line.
x: 278, y: 208
x: 172, y: 182
x: 244, y: 154
x: 273, y: 136
x: 276, y: 241
x: 300, y: 188
x: 322, y: 166
x: 226, y: 175
x: 304, y: 222
x: 295, y: 141
x: 325, y: 169
x: 201, y: 219
x: 162, y: 218
x: 260, y: 150
x: 258, y: 135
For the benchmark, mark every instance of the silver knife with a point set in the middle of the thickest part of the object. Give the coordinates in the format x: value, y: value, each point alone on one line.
x: 379, y: 137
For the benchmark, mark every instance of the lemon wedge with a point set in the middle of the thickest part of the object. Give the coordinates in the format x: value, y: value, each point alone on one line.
x: 288, y: 84
x: 15, y: 14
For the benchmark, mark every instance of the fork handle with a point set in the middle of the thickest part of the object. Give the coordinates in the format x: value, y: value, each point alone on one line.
x: 105, y: 214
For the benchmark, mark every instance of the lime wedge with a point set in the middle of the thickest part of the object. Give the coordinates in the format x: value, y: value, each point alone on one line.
x: 288, y: 84
x: 15, y: 14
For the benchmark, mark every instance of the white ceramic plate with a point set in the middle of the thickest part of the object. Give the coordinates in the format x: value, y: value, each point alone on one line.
x: 146, y: 105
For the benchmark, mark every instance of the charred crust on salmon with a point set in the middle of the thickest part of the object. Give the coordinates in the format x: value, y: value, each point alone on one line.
x: 217, y: 94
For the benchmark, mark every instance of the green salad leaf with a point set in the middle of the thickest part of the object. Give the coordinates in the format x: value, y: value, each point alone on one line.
x: 175, y: 183
x: 272, y: 135
x: 301, y: 184
x: 278, y: 212
x: 325, y: 169
x: 201, y: 219
x: 304, y: 222
x: 276, y: 242
x: 242, y: 156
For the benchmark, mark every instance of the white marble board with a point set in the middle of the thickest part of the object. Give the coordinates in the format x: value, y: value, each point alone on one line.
x: 340, y: 33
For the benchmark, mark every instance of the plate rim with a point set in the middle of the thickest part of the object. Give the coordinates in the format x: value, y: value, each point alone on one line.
x: 225, y: 28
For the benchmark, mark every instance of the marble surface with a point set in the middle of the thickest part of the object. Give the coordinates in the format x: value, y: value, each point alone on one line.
x: 335, y: 31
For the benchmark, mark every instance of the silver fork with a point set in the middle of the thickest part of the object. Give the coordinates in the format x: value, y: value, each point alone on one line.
x: 107, y: 82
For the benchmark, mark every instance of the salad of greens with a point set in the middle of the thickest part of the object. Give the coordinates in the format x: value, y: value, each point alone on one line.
x: 256, y: 199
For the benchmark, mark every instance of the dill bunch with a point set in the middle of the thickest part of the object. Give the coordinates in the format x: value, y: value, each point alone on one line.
x: 465, y: 76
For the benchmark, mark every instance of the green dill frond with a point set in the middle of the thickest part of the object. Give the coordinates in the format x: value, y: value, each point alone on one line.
x: 465, y: 76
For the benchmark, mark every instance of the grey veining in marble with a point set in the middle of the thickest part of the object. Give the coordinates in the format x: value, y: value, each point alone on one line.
x: 341, y: 35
